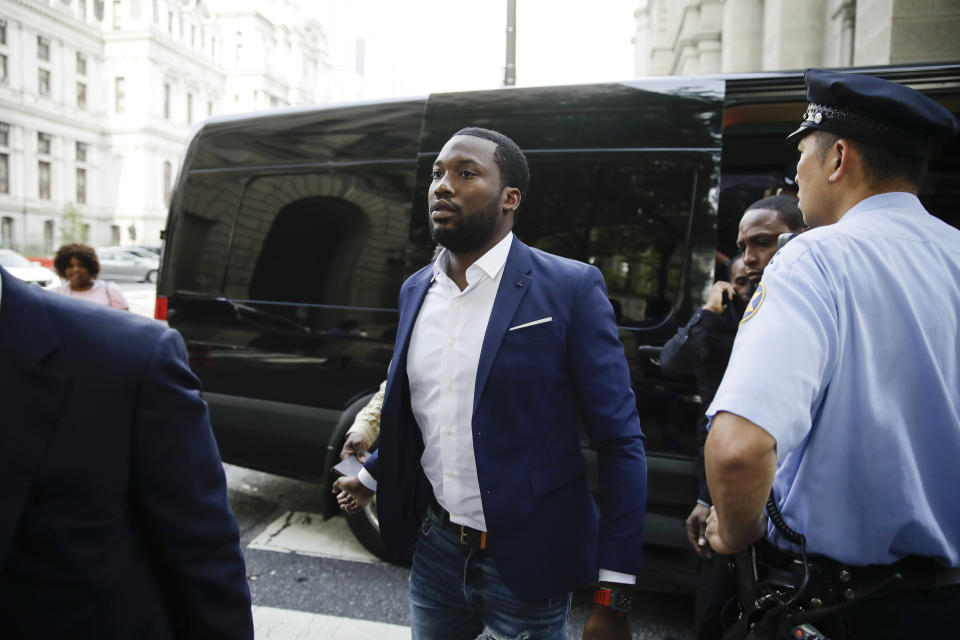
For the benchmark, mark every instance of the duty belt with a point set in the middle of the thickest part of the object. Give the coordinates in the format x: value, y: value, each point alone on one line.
x: 833, y: 582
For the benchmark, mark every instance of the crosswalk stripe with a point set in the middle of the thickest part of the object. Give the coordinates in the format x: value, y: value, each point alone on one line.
x: 270, y: 623
x: 308, y: 534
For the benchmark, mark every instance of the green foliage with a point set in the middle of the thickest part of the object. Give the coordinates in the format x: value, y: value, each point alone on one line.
x: 72, y: 227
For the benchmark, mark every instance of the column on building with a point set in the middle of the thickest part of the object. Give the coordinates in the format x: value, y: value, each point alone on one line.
x: 742, y: 45
x: 906, y: 31
x: 793, y: 34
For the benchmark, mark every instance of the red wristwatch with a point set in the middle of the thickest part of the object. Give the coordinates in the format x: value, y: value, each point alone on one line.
x: 617, y: 600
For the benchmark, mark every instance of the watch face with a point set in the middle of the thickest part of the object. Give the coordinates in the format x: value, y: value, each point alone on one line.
x: 620, y: 601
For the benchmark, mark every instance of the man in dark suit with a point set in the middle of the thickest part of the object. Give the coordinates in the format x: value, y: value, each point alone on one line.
x: 114, y: 520
x: 502, y: 353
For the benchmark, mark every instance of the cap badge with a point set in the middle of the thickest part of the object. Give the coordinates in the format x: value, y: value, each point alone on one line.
x: 817, y: 117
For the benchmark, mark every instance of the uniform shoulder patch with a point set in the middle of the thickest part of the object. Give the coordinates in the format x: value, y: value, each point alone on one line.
x: 755, y: 303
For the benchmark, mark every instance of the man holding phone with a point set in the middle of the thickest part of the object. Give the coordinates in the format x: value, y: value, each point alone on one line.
x: 702, y: 349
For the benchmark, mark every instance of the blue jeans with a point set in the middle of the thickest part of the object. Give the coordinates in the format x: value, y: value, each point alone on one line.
x: 456, y: 593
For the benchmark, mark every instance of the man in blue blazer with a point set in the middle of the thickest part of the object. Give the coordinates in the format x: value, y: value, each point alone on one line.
x: 114, y: 520
x: 503, y: 353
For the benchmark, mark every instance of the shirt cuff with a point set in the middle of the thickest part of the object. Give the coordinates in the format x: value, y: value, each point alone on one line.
x: 367, y: 480
x: 704, y: 503
x: 606, y: 575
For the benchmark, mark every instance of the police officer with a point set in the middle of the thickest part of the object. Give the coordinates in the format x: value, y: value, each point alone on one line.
x: 843, y: 390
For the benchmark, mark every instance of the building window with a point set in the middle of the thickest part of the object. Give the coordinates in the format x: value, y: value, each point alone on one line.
x: 170, y: 22
x: 3, y: 69
x: 82, y: 10
x: 81, y: 186
x: 166, y: 100
x: 81, y: 152
x: 44, y: 143
x: 6, y: 232
x: 81, y: 64
x: 3, y: 32
x: 167, y: 180
x: 209, y: 108
x: 213, y: 47
x: 81, y: 95
x: 48, y: 230
x: 156, y: 12
x: 114, y: 234
x: 4, y: 134
x: 193, y: 35
x: 43, y: 49
x: 43, y: 82
x: 189, y: 108
x: 4, y: 173
x: 43, y: 180
x: 119, y: 97
x: 117, y: 13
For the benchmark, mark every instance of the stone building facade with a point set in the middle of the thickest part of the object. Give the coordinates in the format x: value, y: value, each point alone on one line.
x: 682, y: 37
x: 99, y: 97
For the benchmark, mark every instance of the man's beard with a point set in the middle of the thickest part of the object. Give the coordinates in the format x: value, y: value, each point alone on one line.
x: 468, y: 232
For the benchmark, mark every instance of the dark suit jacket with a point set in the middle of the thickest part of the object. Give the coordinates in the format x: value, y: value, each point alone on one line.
x: 114, y: 520
x: 535, y: 388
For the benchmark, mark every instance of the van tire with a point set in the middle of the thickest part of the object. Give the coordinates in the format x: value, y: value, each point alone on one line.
x: 151, y: 276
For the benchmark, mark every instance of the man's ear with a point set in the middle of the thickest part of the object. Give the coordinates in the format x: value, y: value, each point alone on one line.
x: 841, y: 156
x: 511, y: 199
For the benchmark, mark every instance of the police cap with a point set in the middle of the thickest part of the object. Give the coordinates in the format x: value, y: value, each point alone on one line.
x: 874, y: 111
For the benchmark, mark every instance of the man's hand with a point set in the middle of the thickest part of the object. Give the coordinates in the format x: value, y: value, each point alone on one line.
x: 715, y: 297
x: 713, y: 534
x: 355, y: 445
x: 352, y: 496
x: 696, y: 530
x: 604, y: 624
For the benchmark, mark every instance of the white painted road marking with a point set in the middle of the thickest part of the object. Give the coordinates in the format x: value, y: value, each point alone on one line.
x: 284, y: 624
x: 307, y: 534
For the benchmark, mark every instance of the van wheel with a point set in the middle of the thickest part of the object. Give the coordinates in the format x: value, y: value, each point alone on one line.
x: 151, y: 276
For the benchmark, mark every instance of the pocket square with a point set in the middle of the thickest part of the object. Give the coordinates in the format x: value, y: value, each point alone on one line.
x: 530, y: 324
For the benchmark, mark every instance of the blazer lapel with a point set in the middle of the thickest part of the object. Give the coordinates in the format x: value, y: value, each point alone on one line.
x: 408, y: 316
x: 30, y: 396
x: 514, y: 285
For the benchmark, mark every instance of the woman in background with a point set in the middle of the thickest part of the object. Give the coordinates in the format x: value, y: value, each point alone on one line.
x: 78, y: 265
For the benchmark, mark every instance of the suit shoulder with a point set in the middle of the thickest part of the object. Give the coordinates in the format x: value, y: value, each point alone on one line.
x: 101, y: 327
x: 558, y: 264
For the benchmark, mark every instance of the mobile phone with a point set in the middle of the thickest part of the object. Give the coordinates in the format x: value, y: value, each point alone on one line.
x: 725, y: 298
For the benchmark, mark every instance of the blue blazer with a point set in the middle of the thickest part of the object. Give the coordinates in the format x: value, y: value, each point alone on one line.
x: 536, y: 387
x: 114, y: 520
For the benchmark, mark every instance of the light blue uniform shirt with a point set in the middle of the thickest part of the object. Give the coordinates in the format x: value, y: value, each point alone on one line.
x: 849, y: 356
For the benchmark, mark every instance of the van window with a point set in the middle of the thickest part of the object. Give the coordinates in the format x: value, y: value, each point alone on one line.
x: 331, y: 239
x: 627, y: 214
x: 202, y: 235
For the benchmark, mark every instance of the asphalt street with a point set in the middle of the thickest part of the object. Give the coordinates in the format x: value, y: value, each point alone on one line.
x: 309, y: 578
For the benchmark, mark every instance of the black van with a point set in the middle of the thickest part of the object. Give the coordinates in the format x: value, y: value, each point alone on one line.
x: 291, y: 231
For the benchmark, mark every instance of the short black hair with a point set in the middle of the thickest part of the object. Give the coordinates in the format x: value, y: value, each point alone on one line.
x: 514, y: 171
x: 879, y: 165
x: 787, y: 209
x: 84, y: 254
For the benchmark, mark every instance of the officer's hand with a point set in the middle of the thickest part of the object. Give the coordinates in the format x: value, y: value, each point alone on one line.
x: 354, y: 446
x: 717, y: 543
x: 606, y: 625
x: 715, y: 297
x: 352, y: 496
x: 696, y: 530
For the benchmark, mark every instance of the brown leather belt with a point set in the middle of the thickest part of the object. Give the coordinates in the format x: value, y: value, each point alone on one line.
x: 467, y: 536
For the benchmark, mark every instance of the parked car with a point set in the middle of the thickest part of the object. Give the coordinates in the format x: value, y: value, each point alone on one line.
x: 290, y: 232
x: 127, y: 264
x: 20, y: 267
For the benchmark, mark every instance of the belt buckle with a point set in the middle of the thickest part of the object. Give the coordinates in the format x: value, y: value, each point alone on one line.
x: 463, y: 535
